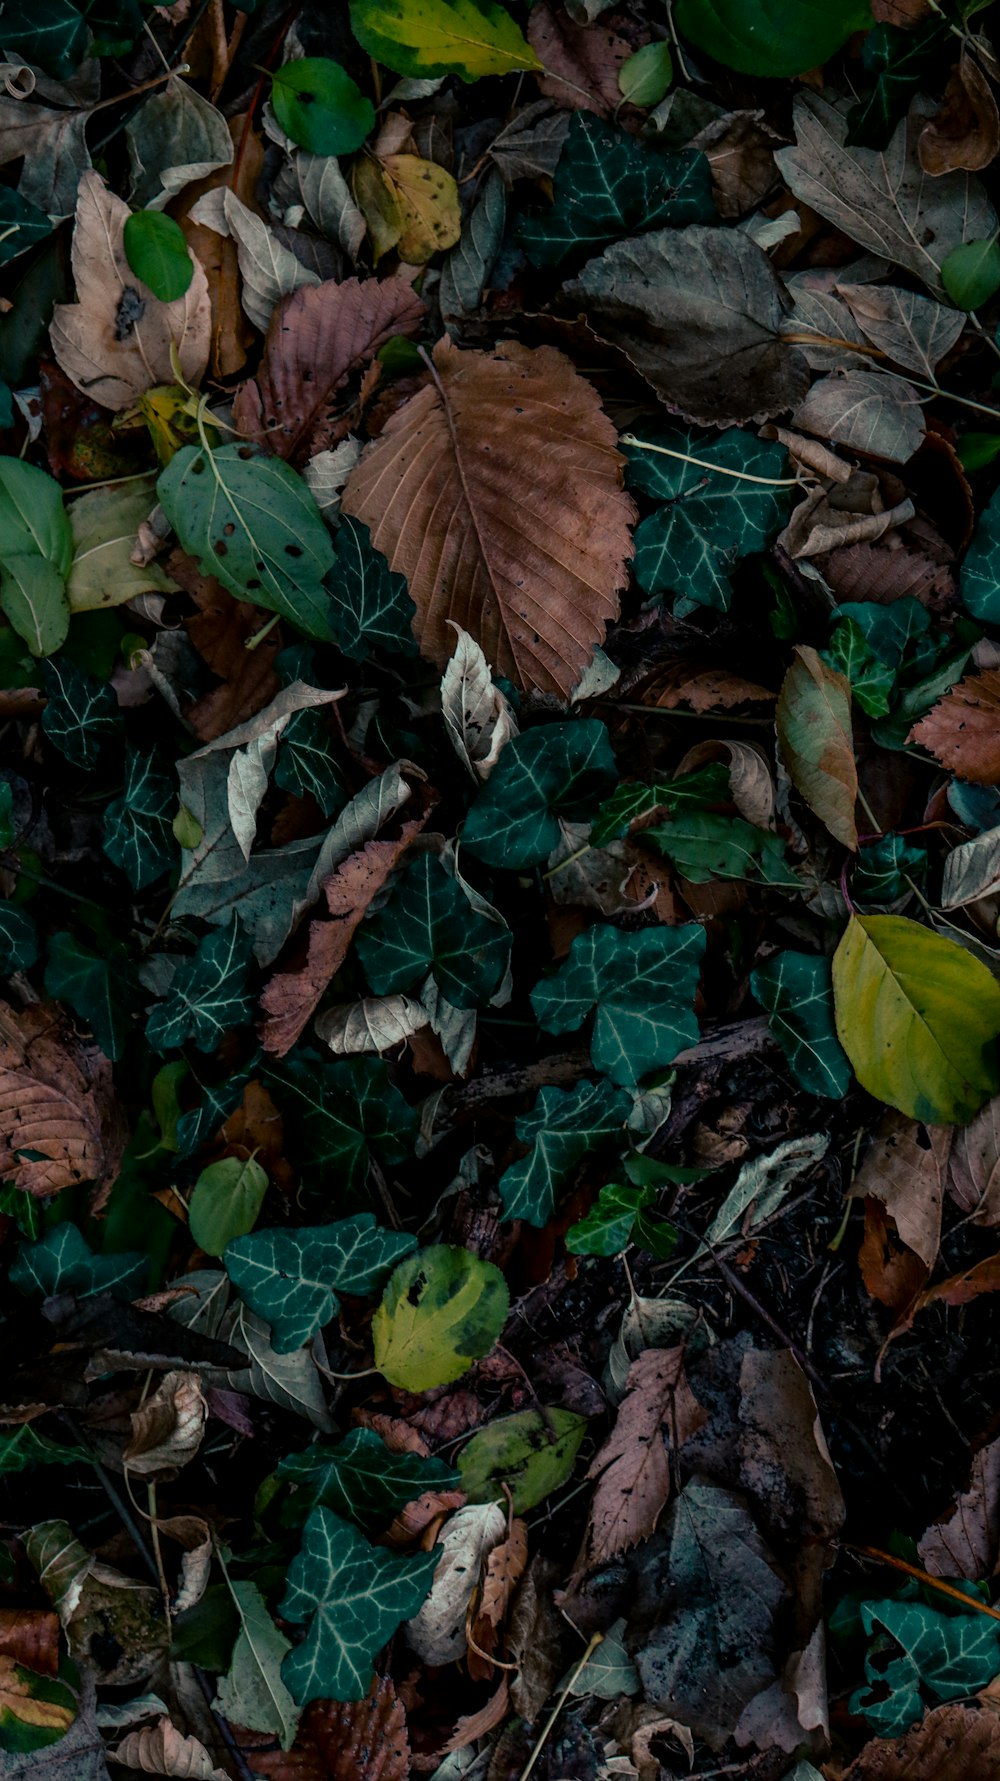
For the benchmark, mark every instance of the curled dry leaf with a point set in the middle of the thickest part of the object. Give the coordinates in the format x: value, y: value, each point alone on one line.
x: 420, y: 1521
x: 162, y: 1750
x: 974, y: 1166
x: 438, y: 1632
x: 60, y: 1122
x: 656, y: 1417
x: 503, y: 1570
x: 497, y: 492
x: 344, y: 1741
x: 478, y: 718
x: 905, y: 1169
x: 167, y: 1429
x: 965, y: 133
x: 115, y: 341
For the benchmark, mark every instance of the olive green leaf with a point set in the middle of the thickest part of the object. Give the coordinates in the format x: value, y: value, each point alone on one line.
x: 62, y: 1261
x: 948, y: 1655
x: 918, y: 1016
x: 157, y: 252
x: 531, y: 1453
x: 306, y: 766
x: 81, y: 712
x: 618, y: 1217
x: 608, y: 185
x: 633, y: 799
x: 443, y: 1309
x: 353, y: 1596
x: 252, y: 1692
x: 320, y: 107
x: 359, y: 1478
x: 775, y: 38
x: 643, y: 987
x: 208, y: 994
x: 102, y: 991
x: 18, y: 938
x: 709, y: 519
x: 338, y: 1112
x: 557, y: 770
x: 370, y: 606
x: 138, y: 833
x: 814, y: 729
x: 22, y: 1449
x: 36, y: 549
x: 429, y: 924
x: 563, y: 1127
x: 422, y: 39
x: 645, y: 76
x: 703, y: 845
x: 252, y: 522
x: 796, y: 990
x: 293, y: 1279
x: 227, y: 1198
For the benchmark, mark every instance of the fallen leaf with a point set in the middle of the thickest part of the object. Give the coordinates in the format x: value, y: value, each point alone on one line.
x: 168, y: 1428
x: 478, y: 716
x: 951, y: 1743
x: 966, y: 1541
x: 965, y: 133
x: 886, y: 572
x: 683, y: 680
x: 162, y: 1750
x: 59, y: 1120
x: 220, y: 629
x: 905, y: 1169
x: 231, y: 332
x: 438, y: 1632
x: 873, y: 412
x: 739, y: 148
x: 409, y: 204
x: 345, y: 1741
x: 962, y: 729
x: 268, y: 269
x: 581, y: 62
x: 974, y: 1166
x: 633, y: 1468
x: 30, y: 1637
x: 814, y: 729
x: 503, y: 1570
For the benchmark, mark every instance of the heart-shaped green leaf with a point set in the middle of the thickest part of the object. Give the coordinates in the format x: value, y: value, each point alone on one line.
x: 320, y: 107
x: 158, y: 253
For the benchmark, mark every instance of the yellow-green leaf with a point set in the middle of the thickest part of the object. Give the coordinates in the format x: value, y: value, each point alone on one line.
x: 421, y: 38
x: 814, y: 729
x: 443, y: 1309
x: 918, y: 1016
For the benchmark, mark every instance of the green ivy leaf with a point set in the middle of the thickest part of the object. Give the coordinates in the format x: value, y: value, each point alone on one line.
x: 557, y: 770
x: 562, y: 1127
x: 202, y: 1122
x: 252, y: 523
x: 18, y: 938
x: 949, y: 1655
x: 353, y: 1596
x: 883, y: 868
x: 49, y: 33
x: 306, y: 766
x: 157, y: 252
x: 607, y: 1227
x: 710, y: 519
x: 796, y: 991
x: 442, y: 1309
x: 208, y: 994
x: 429, y: 925
x: 23, y: 1449
x: 21, y: 224
x: 36, y: 550
x: 532, y: 1452
x: 138, y: 826
x: 227, y: 1198
x: 422, y: 39
x: 338, y: 1111
x: 81, y: 712
x: 702, y: 846
x: 320, y: 107
x: 643, y: 987
x: 115, y: 23
x: 900, y: 62
x: 634, y: 799
x: 607, y: 184
x: 360, y: 1478
x: 775, y: 38
x: 62, y: 1261
x: 100, y: 991
x: 979, y: 579
x: 293, y: 1279
x: 851, y: 655
x: 370, y: 605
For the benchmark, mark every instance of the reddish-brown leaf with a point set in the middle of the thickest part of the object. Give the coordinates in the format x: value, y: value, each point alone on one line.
x: 581, y: 61
x: 30, y: 1636
x: 659, y: 1413
x: 905, y: 1168
x: 317, y: 337
x: 950, y: 1743
x: 59, y: 1120
x: 220, y: 631
x: 892, y: 1273
x: 696, y: 685
x: 503, y: 1569
x: 344, y: 1741
x: 886, y: 572
x: 497, y: 492
x: 963, y: 729
x: 419, y: 1522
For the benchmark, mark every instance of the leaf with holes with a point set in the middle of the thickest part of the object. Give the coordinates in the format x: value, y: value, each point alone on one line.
x: 558, y: 771
x: 563, y: 1127
x: 429, y: 924
x: 293, y: 1279
x: 443, y: 1309
x: 947, y: 1654
x: 642, y: 987
x: 796, y: 990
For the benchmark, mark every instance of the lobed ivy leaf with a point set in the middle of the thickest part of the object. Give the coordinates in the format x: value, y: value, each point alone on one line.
x: 353, y: 1596
x: 884, y: 869
x: 900, y: 62
x: 306, y: 766
x: 50, y: 33
x: 796, y: 991
x: 18, y: 938
x: 702, y: 845
x: 81, y: 712
x: 293, y: 1279
x: 555, y: 771
x: 948, y: 1655
x: 101, y: 991
x: 429, y: 924
x: 359, y: 1478
x: 608, y: 1227
x: 979, y: 579
x: 62, y: 1261
x: 338, y: 1112
x: 21, y: 225
x: 138, y: 831
x: 851, y: 655
x: 634, y: 799
x: 643, y: 988
x: 370, y: 605
x: 208, y: 994
x: 563, y: 1126
x: 219, y: 1100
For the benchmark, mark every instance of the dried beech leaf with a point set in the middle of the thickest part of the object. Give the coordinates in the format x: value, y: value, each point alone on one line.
x: 497, y: 492
x: 963, y: 729
x: 683, y: 680
x: 167, y: 1429
x: 656, y: 1417
x: 59, y: 1120
x: 163, y: 1750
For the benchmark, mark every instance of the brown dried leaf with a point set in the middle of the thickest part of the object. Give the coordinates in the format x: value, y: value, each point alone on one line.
x: 886, y: 572
x: 476, y: 1725
x: 966, y: 1541
x: 657, y: 1415
x: 162, y: 1750
x: 905, y: 1168
x: 534, y: 1638
x: 892, y: 1273
x: 231, y: 332
x: 581, y: 61
x: 419, y: 1522
x: 497, y: 491
x: 682, y: 680
x: 30, y: 1636
x: 57, y: 1104
x: 167, y: 1429
x: 950, y: 1743
x: 504, y: 1567
x: 959, y: 1289
x: 965, y: 133
x: 963, y: 729
x: 345, y: 1741
x: 318, y: 336
x: 739, y: 148
x: 974, y: 1166
x: 220, y: 631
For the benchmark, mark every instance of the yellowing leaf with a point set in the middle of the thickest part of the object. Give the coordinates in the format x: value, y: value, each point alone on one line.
x: 814, y: 729
x: 918, y: 1016
x: 420, y: 38
x: 442, y: 1309
x: 409, y: 204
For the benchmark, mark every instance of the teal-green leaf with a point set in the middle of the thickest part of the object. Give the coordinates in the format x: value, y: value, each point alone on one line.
x: 796, y: 991
x: 702, y: 846
x: 157, y: 252
x: 633, y: 799
x: 946, y: 1654
x: 62, y: 1261
x: 883, y: 868
x: 852, y: 655
x: 320, y: 107
x: 306, y: 766
x: 370, y: 606
x: 81, y: 713
x: 562, y: 1127
x: 643, y: 988
x: 338, y: 1112
x: 979, y: 579
x: 607, y: 185
x: 557, y: 770
x: 775, y: 38
x: 429, y: 924
x: 208, y: 994
x: 971, y: 272
x: 49, y: 33
x: 353, y: 1596
x: 23, y: 1449
x: 227, y: 1198
x: 293, y: 1279
x: 100, y: 990
x: 359, y: 1478
x: 138, y: 831
x: 252, y: 522
x: 690, y: 545
x: 18, y: 938
x: 607, y: 1227
x: 21, y: 224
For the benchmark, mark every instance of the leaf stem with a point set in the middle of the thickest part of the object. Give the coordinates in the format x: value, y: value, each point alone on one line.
x: 772, y: 482
x: 900, y: 1564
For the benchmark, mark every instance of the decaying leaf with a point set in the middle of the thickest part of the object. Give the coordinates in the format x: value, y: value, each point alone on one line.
x: 345, y: 1741
x: 162, y: 1750
x: 966, y: 1541
x: 951, y: 1743
x: 633, y: 1468
x: 905, y: 1169
x: 965, y: 133
x: 59, y: 1120
x: 168, y: 1427
x: 962, y: 729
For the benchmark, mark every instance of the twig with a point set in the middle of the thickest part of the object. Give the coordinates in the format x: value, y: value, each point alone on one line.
x: 772, y: 482
x: 900, y: 1564
x: 564, y: 1693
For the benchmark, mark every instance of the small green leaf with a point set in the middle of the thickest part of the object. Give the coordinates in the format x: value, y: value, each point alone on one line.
x: 18, y: 938
x: 531, y: 1452
x: 62, y: 1262
x: 703, y: 846
x: 101, y: 991
x: 563, y: 1127
x: 208, y: 994
x: 227, y: 1198
x: 607, y: 1228
x: 795, y: 989
x: 557, y: 770
x: 814, y: 729
x: 81, y: 712
x: 158, y: 253
x: 138, y: 826
x: 293, y: 1279
x: 353, y: 1597
x: 338, y: 1112
x: 320, y: 107
x: 884, y: 867
x: 443, y: 1309
x: 370, y: 605
x: 775, y: 38
x: 429, y: 925
x: 977, y: 450
x: 360, y: 1478
x: 643, y: 987
x: 252, y: 1693
x: 422, y: 39
x: 918, y: 1016
x: 971, y: 273
x: 644, y: 78
x: 23, y: 1449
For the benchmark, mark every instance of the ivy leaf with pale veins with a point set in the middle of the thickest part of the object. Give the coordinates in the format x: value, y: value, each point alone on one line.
x: 339, y: 1110
x: 293, y: 1279
x: 608, y: 185
x: 370, y: 607
x: 208, y: 994
x: 796, y: 990
x: 699, y: 312
x: 62, y: 1261
x: 703, y: 845
x: 138, y: 835
x: 306, y: 766
x: 643, y: 986
x: 429, y: 924
x: 691, y: 544
x: 102, y: 992
x: 531, y: 567
x: 81, y: 713
x: 555, y: 771
x: 353, y: 1596
x: 947, y: 1654
x: 562, y: 1128
x: 360, y: 1478
x: 18, y: 938
x: 633, y: 799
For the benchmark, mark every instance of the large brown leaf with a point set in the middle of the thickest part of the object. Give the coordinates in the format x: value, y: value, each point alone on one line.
x: 59, y: 1120
x: 905, y: 1169
x: 319, y: 335
x: 658, y: 1415
x: 344, y: 1741
x: 963, y: 729
x: 497, y: 492
x: 221, y: 630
